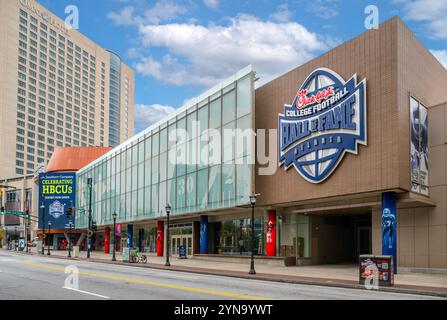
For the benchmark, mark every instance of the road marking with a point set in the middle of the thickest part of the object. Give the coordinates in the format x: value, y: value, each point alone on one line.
x: 86, y: 292
x: 152, y: 283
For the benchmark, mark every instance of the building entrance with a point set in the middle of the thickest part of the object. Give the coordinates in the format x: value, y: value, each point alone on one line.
x: 181, y: 240
x: 341, y: 238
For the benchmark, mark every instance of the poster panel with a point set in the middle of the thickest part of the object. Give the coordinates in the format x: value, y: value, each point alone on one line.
x: 423, y: 150
x: 414, y: 145
x: 57, y: 192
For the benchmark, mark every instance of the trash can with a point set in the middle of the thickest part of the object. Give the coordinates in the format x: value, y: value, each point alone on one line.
x: 39, y: 246
x: 75, y: 253
x: 379, y: 268
x: 126, y: 254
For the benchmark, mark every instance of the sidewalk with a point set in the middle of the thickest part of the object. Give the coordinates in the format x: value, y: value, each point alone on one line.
x: 327, y: 275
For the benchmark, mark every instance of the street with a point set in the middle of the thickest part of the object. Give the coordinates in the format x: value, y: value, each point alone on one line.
x: 36, y: 277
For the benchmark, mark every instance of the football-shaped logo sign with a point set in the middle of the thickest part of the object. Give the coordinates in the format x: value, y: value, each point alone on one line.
x: 56, y: 209
x: 326, y: 119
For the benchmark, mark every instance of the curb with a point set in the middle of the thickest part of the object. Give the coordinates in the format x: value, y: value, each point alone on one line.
x: 261, y: 276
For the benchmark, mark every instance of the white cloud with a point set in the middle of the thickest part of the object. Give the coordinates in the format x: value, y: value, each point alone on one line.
x: 204, y: 55
x: 213, y: 4
x: 163, y: 10
x: 325, y: 9
x: 124, y: 17
x: 146, y: 115
x: 432, y: 12
x: 282, y: 14
x: 441, y: 55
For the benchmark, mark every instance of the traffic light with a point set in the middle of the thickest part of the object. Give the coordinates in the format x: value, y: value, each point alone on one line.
x: 27, y: 213
x: 2, y: 209
x: 69, y: 212
x: 94, y: 227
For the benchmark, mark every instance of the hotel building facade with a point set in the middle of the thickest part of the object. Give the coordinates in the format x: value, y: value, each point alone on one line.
x: 58, y: 88
x: 358, y: 136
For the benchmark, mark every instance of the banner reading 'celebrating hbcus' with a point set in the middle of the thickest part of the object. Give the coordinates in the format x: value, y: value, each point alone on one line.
x: 58, y: 192
x: 326, y: 119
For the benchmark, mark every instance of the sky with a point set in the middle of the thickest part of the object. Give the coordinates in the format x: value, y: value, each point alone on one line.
x: 181, y: 48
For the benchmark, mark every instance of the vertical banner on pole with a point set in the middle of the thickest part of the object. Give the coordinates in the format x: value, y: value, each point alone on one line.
x: 160, y: 238
x: 107, y: 241
x: 389, y: 226
x: 129, y: 235
x: 270, y: 234
x: 204, y: 234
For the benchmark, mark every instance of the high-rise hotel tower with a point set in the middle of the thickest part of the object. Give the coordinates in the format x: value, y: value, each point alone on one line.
x: 57, y: 88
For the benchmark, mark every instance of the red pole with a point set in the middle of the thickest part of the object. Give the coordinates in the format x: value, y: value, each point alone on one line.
x: 107, y: 241
x: 270, y: 232
x: 160, y: 238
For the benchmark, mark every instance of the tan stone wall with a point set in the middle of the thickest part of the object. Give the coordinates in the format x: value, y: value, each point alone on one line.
x: 372, y: 56
x: 396, y: 66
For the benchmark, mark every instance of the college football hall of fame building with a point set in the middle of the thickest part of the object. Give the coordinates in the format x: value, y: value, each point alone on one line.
x: 355, y: 163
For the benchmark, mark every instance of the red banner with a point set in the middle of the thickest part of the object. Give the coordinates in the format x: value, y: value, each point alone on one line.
x: 160, y: 238
x: 107, y: 241
x: 270, y: 232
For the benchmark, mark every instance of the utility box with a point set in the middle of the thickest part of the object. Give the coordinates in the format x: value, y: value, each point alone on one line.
x: 378, y: 268
x: 39, y: 246
x: 75, y: 253
x: 126, y: 254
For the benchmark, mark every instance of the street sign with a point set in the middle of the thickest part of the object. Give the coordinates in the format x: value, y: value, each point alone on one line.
x: 10, y: 229
x: 182, y: 252
x: 15, y: 213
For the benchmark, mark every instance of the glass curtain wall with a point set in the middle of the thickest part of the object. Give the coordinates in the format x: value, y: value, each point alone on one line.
x: 137, y: 179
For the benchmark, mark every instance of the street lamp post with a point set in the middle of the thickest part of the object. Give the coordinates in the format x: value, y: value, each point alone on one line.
x: 252, y: 260
x: 168, y: 240
x: 49, y: 237
x: 114, y: 235
x: 28, y: 233
x: 42, y: 207
x: 69, y: 239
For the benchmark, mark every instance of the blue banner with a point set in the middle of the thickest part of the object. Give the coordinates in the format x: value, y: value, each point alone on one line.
x: 130, y: 235
x: 57, y: 192
x: 203, y: 234
x: 389, y: 226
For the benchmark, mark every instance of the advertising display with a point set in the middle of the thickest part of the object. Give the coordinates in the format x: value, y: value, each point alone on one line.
x: 270, y: 231
x: 418, y: 147
x: 203, y: 234
x: 326, y: 119
x: 376, y: 270
x: 389, y: 226
x: 58, y: 193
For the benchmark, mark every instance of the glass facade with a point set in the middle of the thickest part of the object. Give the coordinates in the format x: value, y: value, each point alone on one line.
x: 294, y: 235
x: 138, y: 178
x: 114, y: 100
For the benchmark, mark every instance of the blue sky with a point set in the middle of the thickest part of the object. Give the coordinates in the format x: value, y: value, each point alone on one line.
x: 180, y: 48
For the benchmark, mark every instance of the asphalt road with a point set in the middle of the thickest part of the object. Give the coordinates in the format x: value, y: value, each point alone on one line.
x: 36, y: 278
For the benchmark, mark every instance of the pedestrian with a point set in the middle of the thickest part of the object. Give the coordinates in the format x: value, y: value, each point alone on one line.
x: 241, y: 246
